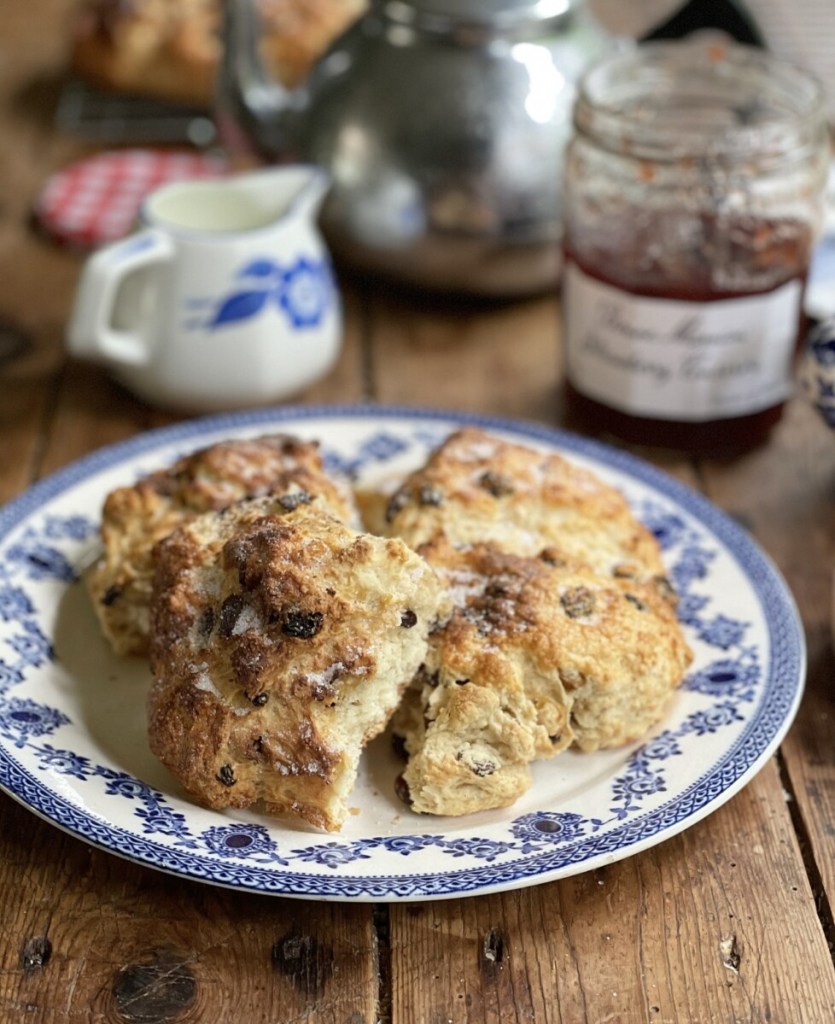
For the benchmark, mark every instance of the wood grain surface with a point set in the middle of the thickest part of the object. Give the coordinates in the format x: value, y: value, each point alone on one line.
x: 729, y: 921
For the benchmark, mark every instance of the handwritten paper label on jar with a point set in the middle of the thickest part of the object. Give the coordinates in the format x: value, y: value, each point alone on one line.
x: 677, y: 359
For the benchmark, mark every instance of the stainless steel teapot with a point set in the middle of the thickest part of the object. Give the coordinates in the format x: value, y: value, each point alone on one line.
x: 442, y: 125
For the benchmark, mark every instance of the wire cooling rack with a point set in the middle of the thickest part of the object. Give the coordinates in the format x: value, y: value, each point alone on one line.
x: 115, y: 119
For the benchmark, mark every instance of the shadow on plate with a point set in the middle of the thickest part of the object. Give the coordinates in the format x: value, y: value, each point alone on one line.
x: 109, y: 691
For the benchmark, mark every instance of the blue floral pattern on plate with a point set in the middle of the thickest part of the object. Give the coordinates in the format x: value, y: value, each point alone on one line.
x: 57, y: 754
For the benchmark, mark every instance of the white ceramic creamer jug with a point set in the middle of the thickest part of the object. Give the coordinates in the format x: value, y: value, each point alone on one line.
x: 224, y: 297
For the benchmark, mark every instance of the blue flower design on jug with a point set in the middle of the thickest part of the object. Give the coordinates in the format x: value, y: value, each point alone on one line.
x: 303, y: 292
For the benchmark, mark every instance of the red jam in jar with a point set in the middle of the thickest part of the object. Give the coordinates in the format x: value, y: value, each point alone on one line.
x: 693, y: 194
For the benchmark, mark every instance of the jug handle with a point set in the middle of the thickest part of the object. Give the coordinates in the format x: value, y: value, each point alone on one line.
x: 90, y: 333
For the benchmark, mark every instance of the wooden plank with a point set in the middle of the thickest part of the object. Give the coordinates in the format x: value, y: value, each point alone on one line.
x: 38, y: 277
x: 501, y: 359
x: 790, y: 512
x: 809, y: 760
x: 89, y: 410
x: 91, y: 937
x: 24, y: 379
x: 716, y: 924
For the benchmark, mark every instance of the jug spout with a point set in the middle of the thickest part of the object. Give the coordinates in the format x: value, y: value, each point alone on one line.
x: 312, y: 192
x: 289, y: 191
x: 254, y: 112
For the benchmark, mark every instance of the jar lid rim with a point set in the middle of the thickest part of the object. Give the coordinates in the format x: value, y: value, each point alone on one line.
x: 649, y: 74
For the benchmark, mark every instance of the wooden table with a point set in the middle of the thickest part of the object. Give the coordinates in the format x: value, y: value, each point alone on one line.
x: 730, y: 920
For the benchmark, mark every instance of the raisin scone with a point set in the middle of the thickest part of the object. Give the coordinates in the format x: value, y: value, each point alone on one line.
x: 282, y: 643
x: 135, y: 518
x: 477, y: 487
x: 535, y: 656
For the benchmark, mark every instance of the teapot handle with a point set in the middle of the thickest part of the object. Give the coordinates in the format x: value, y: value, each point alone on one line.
x: 251, y: 108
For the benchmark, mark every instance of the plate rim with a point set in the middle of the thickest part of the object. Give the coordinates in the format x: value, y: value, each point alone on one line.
x: 380, y: 888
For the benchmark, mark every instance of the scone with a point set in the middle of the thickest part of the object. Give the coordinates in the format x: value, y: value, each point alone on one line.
x: 171, y: 49
x: 135, y: 518
x: 476, y: 487
x: 282, y: 642
x: 535, y: 656
x: 165, y: 49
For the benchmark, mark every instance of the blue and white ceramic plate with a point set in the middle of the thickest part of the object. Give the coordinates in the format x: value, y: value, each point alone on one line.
x: 72, y: 722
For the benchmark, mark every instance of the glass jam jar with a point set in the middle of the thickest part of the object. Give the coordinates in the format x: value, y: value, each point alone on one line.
x: 694, y: 187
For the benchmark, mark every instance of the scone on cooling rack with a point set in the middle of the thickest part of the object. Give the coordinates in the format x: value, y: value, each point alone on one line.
x: 282, y: 642
x: 170, y: 49
x: 535, y: 656
x: 477, y: 487
x: 135, y: 518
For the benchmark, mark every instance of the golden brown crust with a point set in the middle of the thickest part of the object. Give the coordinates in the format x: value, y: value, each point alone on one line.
x: 282, y: 643
x: 535, y: 657
x: 149, y: 47
x: 476, y: 487
x: 170, y: 49
x: 135, y: 518
x: 564, y: 630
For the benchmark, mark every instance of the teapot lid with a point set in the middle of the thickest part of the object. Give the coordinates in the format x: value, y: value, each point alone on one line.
x: 501, y: 14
